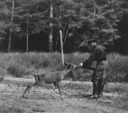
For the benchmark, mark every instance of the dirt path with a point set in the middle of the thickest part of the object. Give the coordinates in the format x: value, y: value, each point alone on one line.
x: 41, y: 99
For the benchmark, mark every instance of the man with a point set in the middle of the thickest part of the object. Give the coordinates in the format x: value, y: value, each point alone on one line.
x: 99, y: 71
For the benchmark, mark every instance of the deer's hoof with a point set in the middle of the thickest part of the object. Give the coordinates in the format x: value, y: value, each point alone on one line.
x: 53, y: 97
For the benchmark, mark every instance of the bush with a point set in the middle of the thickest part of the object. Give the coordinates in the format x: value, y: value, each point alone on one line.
x: 16, y: 70
x: 118, y: 68
x: 18, y: 64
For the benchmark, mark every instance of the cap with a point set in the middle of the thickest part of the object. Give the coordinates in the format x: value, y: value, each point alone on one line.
x: 91, y: 40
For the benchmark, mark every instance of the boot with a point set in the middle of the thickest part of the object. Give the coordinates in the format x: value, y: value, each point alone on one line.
x: 94, y: 96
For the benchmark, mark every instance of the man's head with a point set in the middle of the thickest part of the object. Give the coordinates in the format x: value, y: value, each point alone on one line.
x: 92, y: 43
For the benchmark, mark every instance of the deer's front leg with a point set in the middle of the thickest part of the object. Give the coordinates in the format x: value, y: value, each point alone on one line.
x: 57, y: 85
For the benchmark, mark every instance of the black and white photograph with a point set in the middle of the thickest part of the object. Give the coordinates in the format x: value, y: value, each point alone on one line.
x: 63, y: 56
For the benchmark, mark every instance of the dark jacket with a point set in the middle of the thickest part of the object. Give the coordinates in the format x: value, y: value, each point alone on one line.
x: 99, y: 56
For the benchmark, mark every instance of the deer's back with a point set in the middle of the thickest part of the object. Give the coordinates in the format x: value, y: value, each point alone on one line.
x: 57, y: 76
x: 52, y: 77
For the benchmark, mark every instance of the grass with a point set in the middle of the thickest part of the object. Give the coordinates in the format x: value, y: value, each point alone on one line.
x: 13, y: 109
x: 121, y: 89
x: 22, y: 64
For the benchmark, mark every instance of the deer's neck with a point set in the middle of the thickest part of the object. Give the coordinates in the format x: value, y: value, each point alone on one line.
x: 65, y: 73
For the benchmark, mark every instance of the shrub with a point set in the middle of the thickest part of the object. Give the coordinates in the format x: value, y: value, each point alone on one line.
x: 19, y: 64
x: 16, y: 70
x: 118, y: 68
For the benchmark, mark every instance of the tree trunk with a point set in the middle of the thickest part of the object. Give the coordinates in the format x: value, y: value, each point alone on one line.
x: 51, y: 33
x: 10, y: 34
x: 27, y: 34
x: 61, y: 43
x: 66, y: 35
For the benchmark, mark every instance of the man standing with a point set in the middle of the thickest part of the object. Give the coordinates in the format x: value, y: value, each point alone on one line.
x: 99, y: 71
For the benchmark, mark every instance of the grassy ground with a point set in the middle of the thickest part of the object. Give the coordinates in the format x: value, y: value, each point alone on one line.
x: 75, y: 96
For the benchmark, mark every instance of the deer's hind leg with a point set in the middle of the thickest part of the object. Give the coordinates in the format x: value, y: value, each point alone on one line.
x: 27, y: 90
x: 54, y: 86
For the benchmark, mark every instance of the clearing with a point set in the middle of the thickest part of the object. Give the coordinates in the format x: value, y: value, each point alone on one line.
x: 41, y: 99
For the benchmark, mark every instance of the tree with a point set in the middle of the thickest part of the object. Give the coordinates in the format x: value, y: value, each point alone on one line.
x: 4, y: 22
x: 28, y: 16
x: 79, y: 20
x: 98, y: 19
x: 10, y: 34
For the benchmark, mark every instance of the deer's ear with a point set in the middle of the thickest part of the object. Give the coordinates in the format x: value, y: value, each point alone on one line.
x: 67, y: 64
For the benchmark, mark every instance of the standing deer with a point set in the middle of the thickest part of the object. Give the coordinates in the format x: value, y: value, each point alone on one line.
x: 51, y: 78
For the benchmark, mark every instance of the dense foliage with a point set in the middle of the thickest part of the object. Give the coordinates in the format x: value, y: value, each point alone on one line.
x: 79, y: 20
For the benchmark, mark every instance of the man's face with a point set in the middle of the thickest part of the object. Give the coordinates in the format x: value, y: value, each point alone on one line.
x: 92, y: 44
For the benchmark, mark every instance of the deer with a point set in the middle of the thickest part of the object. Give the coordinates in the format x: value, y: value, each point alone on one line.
x: 51, y: 78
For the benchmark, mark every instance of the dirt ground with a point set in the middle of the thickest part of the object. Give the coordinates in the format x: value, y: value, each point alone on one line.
x: 41, y: 99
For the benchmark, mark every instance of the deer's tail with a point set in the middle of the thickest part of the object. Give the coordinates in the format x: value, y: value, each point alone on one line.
x: 36, y: 76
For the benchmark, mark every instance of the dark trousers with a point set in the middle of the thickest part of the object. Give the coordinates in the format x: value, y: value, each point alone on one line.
x: 98, y: 86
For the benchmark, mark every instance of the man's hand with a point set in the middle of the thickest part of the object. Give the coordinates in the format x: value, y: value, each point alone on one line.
x: 69, y: 65
x: 74, y: 66
x: 78, y: 66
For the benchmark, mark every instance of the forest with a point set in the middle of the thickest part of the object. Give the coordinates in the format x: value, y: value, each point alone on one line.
x: 35, y: 25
